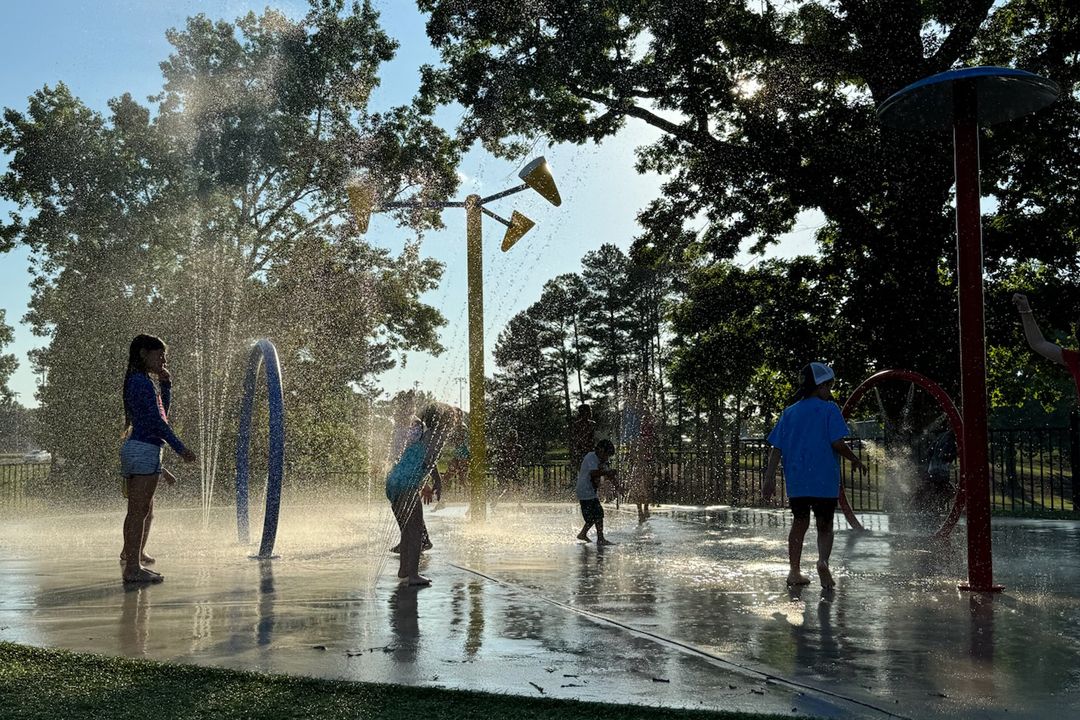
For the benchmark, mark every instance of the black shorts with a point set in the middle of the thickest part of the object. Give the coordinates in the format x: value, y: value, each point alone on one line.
x: 824, y: 508
x: 592, y: 510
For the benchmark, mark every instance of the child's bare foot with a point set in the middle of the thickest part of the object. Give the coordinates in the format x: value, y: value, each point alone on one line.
x: 826, y: 576
x: 583, y: 536
x: 797, y: 579
x: 415, y: 580
x: 144, y: 559
x: 604, y: 542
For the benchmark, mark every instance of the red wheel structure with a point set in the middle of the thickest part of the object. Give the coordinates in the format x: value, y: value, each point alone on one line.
x: 948, y: 409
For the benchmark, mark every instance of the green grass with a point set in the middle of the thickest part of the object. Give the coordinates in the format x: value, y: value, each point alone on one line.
x: 47, y: 684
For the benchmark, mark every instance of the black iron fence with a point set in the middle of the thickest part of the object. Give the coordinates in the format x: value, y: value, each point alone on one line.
x: 20, y: 482
x: 1031, y: 471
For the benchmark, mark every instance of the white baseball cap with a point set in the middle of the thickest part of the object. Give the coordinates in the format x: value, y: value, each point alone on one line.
x: 822, y: 373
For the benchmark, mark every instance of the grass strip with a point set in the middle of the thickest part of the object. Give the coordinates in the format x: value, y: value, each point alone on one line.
x: 40, y: 684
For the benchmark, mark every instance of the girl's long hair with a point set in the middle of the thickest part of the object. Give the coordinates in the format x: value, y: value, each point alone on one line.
x: 135, y: 365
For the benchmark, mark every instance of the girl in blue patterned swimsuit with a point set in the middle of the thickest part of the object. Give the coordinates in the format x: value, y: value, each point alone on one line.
x: 405, y: 479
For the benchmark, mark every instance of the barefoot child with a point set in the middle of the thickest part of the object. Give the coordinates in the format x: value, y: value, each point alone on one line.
x: 594, y: 467
x: 809, y: 436
x: 403, y: 486
x: 146, y: 408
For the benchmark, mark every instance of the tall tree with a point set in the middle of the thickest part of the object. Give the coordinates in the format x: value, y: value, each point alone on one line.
x: 221, y: 216
x: 608, y: 296
x: 767, y: 110
x: 560, y: 312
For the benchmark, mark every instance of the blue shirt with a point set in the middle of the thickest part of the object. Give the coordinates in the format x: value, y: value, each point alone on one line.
x: 149, y: 411
x: 408, y: 472
x: 804, y: 435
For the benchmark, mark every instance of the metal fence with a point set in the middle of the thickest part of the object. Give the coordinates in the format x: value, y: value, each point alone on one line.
x: 1031, y: 471
x: 20, y: 482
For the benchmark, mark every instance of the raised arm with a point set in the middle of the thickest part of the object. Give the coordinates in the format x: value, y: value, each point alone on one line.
x: 146, y: 413
x: 1034, y: 335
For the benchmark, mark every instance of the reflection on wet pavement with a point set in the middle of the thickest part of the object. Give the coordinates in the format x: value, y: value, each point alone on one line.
x: 689, y: 609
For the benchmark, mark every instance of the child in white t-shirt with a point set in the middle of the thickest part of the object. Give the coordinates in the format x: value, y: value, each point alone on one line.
x: 594, y: 467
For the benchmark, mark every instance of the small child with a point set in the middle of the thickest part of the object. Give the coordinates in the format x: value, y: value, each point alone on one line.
x: 411, y: 437
x: 403, y: 487
x: 594, y: 467
x: 809, y: 437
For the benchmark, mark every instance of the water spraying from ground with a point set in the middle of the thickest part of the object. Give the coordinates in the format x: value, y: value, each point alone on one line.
x: 217, y: 275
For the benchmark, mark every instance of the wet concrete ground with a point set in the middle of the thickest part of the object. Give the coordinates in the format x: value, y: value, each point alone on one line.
x: 688, y: 610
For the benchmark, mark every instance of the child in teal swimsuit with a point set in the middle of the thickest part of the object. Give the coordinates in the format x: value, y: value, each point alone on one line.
x: 405, y: 479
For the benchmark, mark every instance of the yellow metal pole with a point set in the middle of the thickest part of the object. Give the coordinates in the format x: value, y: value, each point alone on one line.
x: 477, y: 410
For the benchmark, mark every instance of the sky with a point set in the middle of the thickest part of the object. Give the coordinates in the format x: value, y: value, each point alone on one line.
x: 103, y: 49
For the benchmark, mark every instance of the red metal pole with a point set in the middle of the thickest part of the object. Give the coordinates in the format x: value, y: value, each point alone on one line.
x: 969, y: 271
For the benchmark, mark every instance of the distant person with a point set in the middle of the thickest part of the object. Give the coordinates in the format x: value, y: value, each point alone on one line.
x: 583, y: 435
x: 1062, y: 356
x: 941, y: 455
x: 594, y: 466
x: 146, y: 428
x: 642, y: 460
x: 404, y: 481
x: 809, y: 437
x: 630, y: 418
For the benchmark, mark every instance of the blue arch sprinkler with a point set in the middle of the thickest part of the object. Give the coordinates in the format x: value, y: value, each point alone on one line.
x: 263, y: 354
x: 963, y: 100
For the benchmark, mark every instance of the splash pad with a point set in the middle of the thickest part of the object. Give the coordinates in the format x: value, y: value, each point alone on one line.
x: 695, y: 599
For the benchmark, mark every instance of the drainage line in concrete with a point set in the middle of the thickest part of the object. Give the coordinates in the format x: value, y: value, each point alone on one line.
x: 794, y: 684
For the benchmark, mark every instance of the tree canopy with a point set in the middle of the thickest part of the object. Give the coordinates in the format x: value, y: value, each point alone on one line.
x: 767, y: 112
x: 219, y: 215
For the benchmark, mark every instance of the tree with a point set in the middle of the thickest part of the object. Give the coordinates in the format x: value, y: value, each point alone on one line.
x: 768, y: 110
x: 606, y: 275
x: 561, y: 315
x: 523, y: 351
x: 219, y: 217
x: 8, y: 363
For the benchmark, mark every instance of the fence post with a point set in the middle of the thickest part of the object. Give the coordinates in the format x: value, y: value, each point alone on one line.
x: 735, y: 493
x: 1074, y: 456
x: 1010, y: 462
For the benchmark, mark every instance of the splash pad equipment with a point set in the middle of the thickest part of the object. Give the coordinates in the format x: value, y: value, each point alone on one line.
x: 963, y: 100
x: 536, y: 175
x: 263, y: 354
x: 944, y: 418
